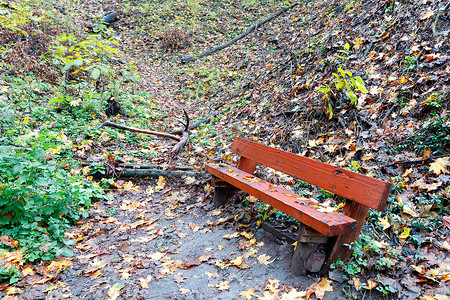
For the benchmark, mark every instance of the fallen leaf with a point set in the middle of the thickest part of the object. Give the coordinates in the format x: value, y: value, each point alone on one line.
x: 404, y: 235
x: 319, y: 289
x: 248, y: 294
x: 212, y: 275
x: 179, y: 278
x: 427, y: 15
x: 114, y: 291
x: 13, y: 291
x: 9, y: 241
x: 370, y: 284
x: 440, y: 165
x: 143, y: 282
x: 223, y: 286
x: 191, y: 262
x: 384, y: 222
x: 265, y: 259
x: 273, y: 285
x: 184, y: 291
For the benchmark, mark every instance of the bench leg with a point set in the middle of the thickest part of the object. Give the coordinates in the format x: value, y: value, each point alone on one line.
x: 221, y: 191
x: 220, y: 195
x: 309, y: 254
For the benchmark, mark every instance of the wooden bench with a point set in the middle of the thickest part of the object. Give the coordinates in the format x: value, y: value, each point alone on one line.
x: 323, y: 237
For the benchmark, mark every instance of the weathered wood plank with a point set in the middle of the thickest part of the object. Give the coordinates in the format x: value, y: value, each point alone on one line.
x: 365, y: 190
x: 330, y: 224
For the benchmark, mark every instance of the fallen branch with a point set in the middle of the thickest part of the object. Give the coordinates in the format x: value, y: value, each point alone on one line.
x: 149, y: 173
x: 157, y: 133
x: 416, y: 161
x: 247, y: 32
x: 130, y: 166
x: 436, y: 20
x: 184, y: 136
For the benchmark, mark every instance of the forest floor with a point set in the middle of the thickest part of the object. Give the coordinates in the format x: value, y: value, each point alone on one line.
x: 163, y: 239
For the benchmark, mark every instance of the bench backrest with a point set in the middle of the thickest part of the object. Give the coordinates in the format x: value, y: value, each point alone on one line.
x: 370, y: 192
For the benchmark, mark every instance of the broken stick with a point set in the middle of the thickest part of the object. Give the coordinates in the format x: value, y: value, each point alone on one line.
x: 242, y: 35
x: 133, y: 129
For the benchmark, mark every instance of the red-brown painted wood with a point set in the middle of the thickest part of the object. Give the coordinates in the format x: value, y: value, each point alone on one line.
x: 330, y: 224
x: 247, y: 165
x: 368, y: 191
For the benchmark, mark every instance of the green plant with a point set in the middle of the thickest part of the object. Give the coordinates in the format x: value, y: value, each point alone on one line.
x: 345, y: 82
x: 409, y: 63
x: 91, y: 54
x: 39, y: 201
x: 433, y: 135
x: 11, y: 273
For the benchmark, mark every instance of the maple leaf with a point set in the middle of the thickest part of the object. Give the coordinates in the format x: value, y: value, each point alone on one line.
x: 179, y: 278
x: 223, y: 286
x: 384, y: 222
x: 265, y: 259
x: 440, y: 165
x: 370, y: 284
x: 294, y: 295
x: 143, y: 282
x: 319, y: 289
x: 273, y: 285
x: 248, y: 294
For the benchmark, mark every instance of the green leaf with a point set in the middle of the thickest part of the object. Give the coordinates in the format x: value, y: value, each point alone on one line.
x: 96, y: 73
x: 359, y: 83
x: 342, y: 72
x: 78, y: 62
x: 67, y: 66
x: 66, y: 252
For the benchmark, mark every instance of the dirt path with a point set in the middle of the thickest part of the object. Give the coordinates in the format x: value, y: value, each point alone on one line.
x: 145, y: 244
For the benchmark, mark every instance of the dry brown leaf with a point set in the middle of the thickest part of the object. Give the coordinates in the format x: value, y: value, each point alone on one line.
x: 427, y: 15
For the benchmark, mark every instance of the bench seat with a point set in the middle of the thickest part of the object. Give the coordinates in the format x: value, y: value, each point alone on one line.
x: 329, y: 224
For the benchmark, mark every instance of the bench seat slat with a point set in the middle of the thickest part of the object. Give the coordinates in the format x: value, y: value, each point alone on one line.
x: 329, y: 224
x: 368, y: 191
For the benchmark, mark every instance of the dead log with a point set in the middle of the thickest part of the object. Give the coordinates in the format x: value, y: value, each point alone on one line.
x: 242, y: 35
x: 131, y: 166
x: 146, y: 173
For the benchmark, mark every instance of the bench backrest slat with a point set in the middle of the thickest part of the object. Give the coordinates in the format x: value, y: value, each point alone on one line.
x: 365, y: 190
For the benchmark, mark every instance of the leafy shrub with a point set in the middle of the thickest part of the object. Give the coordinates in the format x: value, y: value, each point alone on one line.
x: 175, y: 39
x: 39, y: 201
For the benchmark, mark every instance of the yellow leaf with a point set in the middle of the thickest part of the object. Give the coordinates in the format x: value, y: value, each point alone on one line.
x: 223, y: 286
x: 56, y: 266
x: 385, y: 222
x: 75, y: 72
x: 212, y: 275
x: 248, y: 294
x: 440, y: 165
x: 273, y: 285
x: 357, y: 43
x: 26, y: 120
x: 324, y: 286
x: 237, y: 261
x: 427, y: 15
x: 184, y: 291
x: 161, y: 182
x: 265, y: 259
x: 230, y: 170
x: 357, y: 283
x: 114, y: 291
x: 13, y: 291
x: 143, y: 282
x: 403, y: 80
x: 404, y: 234
x: 27, y: 271
x: 371, y: 284
x: 247, y: 235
